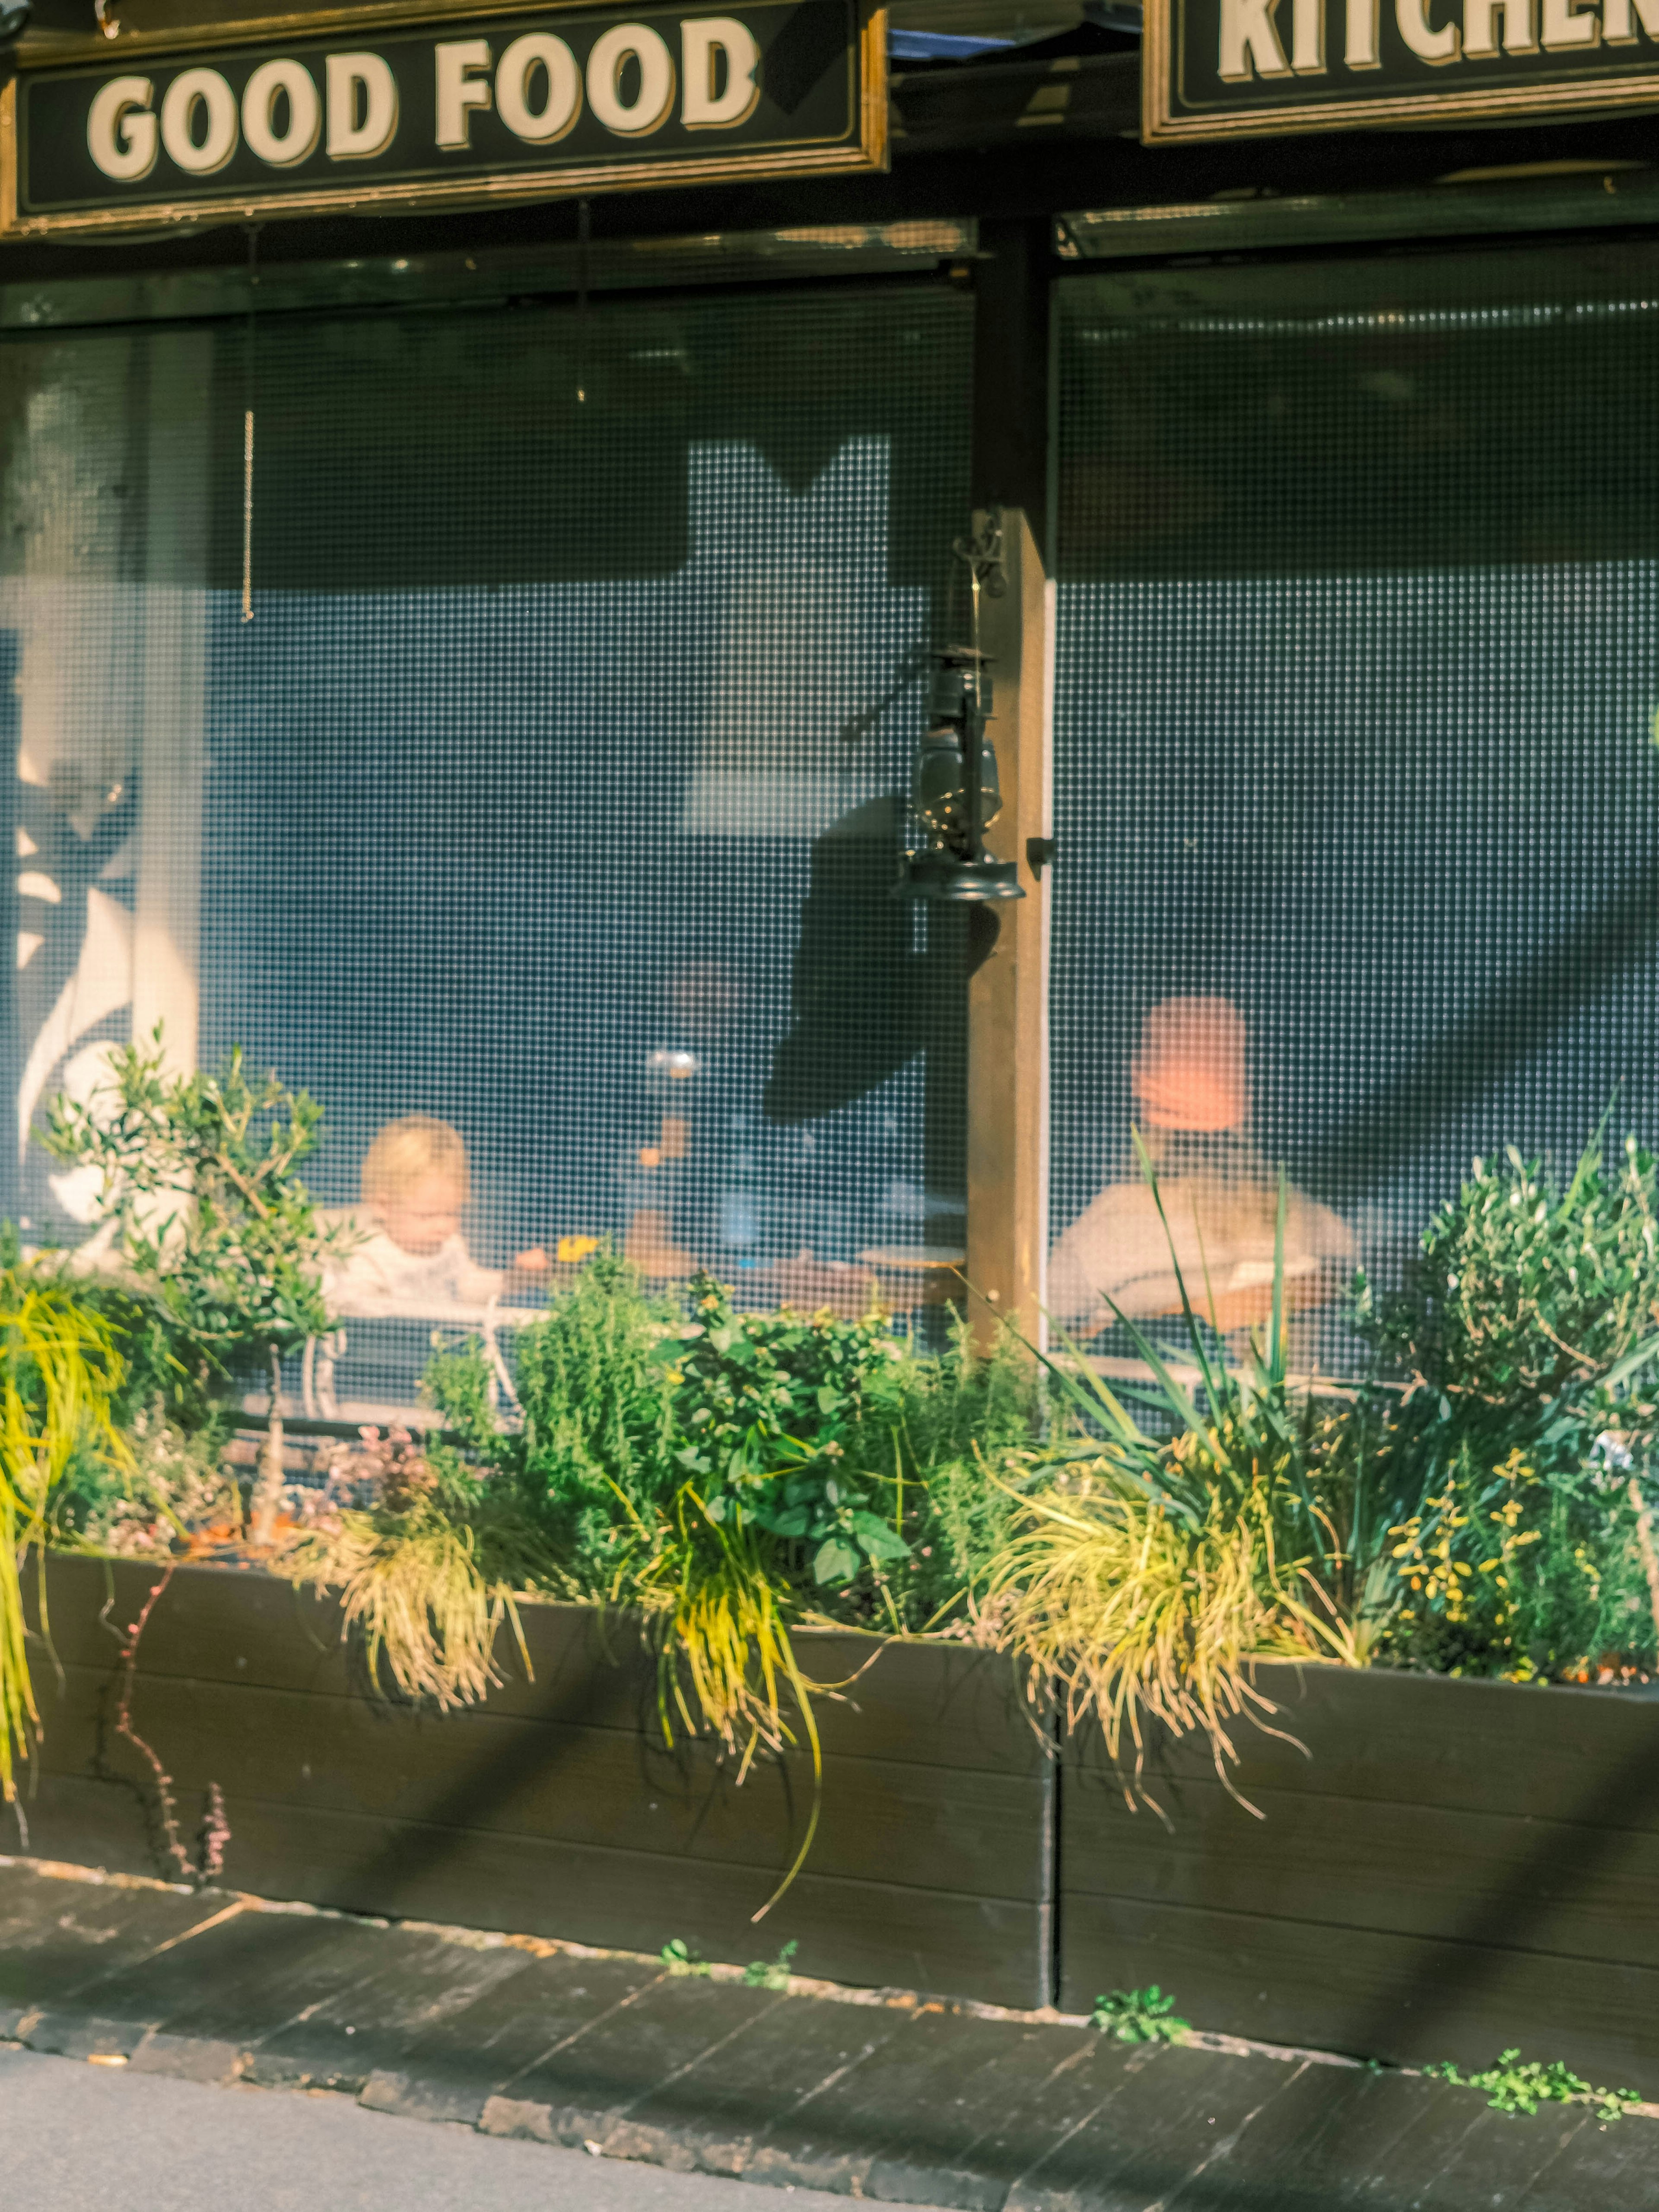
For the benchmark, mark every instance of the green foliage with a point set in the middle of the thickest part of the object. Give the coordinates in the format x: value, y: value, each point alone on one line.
x: 1515, y: 2085
x: 821, y: 1437
x: 730, y: 1474
x: 763, y: 1404
x: 681, y: 1959
x: 948, y: 1432
x: 1139, y: 2016
x: 1145, y: 1570
x: 60, y: 1370
x: 216, y: 1234
x: 1506, y: 1571
x: 169, y: 1486
x: 593, y: 1452
x: 1526, y: 1296
x: 684, y: 1962
x: 1515, y: 1467
x: 427, y: 1573
x: 770, y: 1973
x: 214, y: 1230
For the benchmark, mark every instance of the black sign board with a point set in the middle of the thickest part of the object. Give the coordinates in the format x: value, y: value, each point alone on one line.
x: 496, y: 108
x: 1221, y: 69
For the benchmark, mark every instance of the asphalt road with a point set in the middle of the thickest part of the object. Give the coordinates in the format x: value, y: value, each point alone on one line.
x: 79, y: 2134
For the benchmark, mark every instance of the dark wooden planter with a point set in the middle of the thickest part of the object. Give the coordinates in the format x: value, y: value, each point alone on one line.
x: 555, y: 1808
x: 1457, y: 1867
x: 1453, y: 1867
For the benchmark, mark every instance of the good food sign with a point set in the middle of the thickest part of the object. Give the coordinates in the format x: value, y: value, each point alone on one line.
x: 1217, y: 69
x: 525, y: 106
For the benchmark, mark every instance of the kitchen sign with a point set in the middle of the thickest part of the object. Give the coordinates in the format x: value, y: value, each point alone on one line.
x: 502, y: 108
x: 1223, y: 69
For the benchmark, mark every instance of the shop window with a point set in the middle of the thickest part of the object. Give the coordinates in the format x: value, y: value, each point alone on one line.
x: 1356, y: 785
x: 549, y: 795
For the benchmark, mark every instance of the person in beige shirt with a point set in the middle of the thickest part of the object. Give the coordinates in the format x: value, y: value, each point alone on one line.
x: 1220, y: 1198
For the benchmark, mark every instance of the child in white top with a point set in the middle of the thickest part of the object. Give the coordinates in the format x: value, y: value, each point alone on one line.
x: 411, y: 1257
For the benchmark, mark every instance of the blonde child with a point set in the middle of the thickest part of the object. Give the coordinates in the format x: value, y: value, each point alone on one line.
x: 411, y: 1256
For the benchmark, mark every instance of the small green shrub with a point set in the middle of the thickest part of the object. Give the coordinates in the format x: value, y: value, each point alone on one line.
x: 169, y: 1487
x: 1530, y: 1577
x: 1526, y: 1295
x: 763, y: 1406
x: 217, y: 1242
x: 594, y: 1449
x: 1515, y: 1464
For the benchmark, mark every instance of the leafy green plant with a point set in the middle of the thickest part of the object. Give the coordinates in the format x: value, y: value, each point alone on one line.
x: 950, y: 1437
x: 770, y: 1973
x: 653, y: 1456
x: 593, y: 1447
x: 1507, y: 1570
x: 214, y: 1228
x: 1522, y: 1542
x: 726, y: 1664
x: 1515, y: 2085
x: 60, y: 1370
x: 1139, y: 2016
x: 1527, y: 1297
x: 763, y: 1404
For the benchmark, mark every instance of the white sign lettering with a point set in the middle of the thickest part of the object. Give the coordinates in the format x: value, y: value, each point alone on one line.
x: 562, y: 103
x: 122, y: 134
x: 291, y: 80
x: 1251, y: 46
x: 362, y: 106
x: 537, y: 86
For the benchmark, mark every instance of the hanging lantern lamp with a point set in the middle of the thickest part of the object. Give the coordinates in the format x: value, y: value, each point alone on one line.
x: 955, y: 794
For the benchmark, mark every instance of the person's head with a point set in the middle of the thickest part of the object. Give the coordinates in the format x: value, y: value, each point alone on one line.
x: 416, y: 1181
x: 1189, y: 1075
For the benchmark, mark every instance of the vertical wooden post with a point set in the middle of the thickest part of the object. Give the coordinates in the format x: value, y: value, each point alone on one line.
x: 1007, y: 1005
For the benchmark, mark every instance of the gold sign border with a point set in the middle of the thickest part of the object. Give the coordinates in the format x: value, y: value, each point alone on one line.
x: 429, y: 194
x: 1161, y: 122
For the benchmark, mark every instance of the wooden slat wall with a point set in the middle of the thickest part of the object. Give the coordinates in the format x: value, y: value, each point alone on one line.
x: 1454, y: 1868
x: 556, y: 1810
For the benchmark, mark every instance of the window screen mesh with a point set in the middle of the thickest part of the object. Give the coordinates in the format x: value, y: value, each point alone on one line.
x: 549, y: 792
x: 1356, y: 785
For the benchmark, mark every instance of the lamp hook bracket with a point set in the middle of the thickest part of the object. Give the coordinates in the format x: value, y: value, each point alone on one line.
x: 982, y: 553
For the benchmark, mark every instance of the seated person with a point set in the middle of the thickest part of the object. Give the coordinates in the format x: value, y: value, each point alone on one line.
x: 411, y: 1256
x: 1220, y: 1198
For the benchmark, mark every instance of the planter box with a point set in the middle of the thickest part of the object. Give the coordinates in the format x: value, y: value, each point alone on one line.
x: 555, y: 1809
x: 1458, y: 1867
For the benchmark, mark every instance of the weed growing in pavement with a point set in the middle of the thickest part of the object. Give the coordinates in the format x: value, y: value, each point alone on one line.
x: 678, y: 1956
x: 1517, y: 2085
x: 1139, y: 2016
x: 770, y: 1973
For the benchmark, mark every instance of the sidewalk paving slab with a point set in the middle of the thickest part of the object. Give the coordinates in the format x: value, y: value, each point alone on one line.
x: 526, y: 2024
x: 879, y: 2095
x: 58, y: 1938
x: 1171, y: 2116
